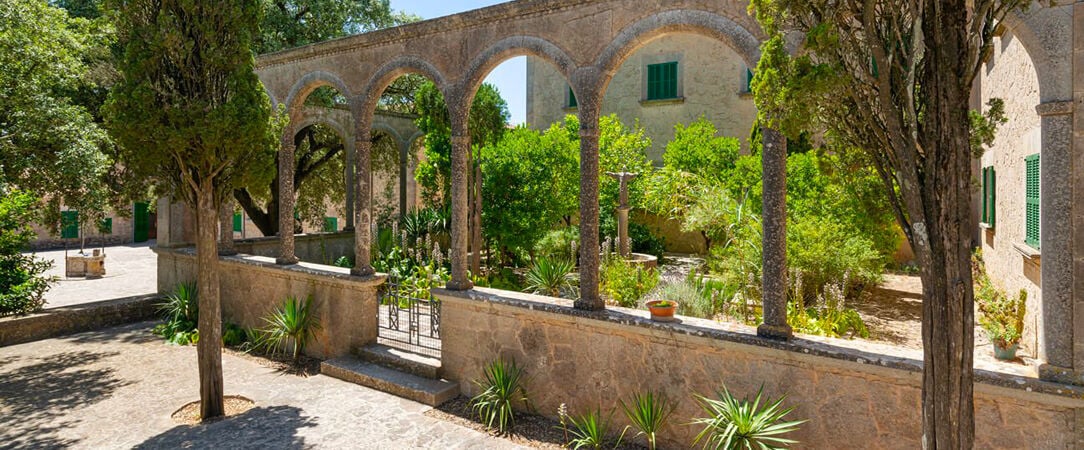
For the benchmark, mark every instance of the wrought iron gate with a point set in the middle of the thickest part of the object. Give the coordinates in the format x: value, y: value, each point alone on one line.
x: 409, y: 320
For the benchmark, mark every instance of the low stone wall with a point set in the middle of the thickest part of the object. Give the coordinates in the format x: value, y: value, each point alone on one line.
x: 64, y: 320
x: 318, y: 248
x: 854, y: 394
x: 252, y: 286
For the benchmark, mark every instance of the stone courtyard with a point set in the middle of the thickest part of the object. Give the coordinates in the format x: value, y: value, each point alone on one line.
x: 116, y: 388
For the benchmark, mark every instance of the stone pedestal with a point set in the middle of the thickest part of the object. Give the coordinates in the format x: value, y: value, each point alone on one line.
x: 623, y: 244
x: 91, y: 267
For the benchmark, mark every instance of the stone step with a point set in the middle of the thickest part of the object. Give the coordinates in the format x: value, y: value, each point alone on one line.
x: 422, y: 390
x: 402, y: 360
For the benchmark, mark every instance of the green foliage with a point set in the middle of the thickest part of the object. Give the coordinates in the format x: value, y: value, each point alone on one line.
x: 644, y: 240
x: 823, y: 252
x: 22, y: 280
x: 293, y: 23
x: 591, y: 430
x: 984, y: 125
x: 292, y: 325
x: 181, y: 314
x: 626, y: 283
x: 419, y: 223
x: 733, y: 423
x: 552, y: 276
x: 501, y: 388
x: 1002, y: 316
x: 234, y: 335
x: 343, y: 261
x: 696, y: 149
x: 621, y: 149
x: 562, y: 242
x: 648, y: 412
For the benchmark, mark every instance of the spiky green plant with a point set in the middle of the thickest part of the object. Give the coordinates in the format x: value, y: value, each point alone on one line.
x: 734, y: 423
x: 591, y: 430
x: 551, y: 276
x: 648, y: 412
x: 501, y: 388
x: 292, y: 325
x: 181, y: 312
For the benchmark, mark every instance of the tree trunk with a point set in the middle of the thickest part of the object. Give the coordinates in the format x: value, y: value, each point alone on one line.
x: 209, y: 348
x: 266, y: 221
x: 941, y: 228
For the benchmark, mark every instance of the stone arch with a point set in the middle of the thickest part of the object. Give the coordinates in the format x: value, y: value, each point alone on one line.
x: 712, y: 25
x: 309, y: 121
x: 1046, y: 34
x: 385, y: 75
x: 511, y: 47
x: 310, y: 82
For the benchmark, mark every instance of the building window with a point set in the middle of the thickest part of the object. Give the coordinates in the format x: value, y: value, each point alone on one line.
x: 69, y: 224
x: 989, y: 196
x: 572, y: 103
x: 747, y: 87
x: 331, y: 224
x: 238, y: 223
x: 662, y: 81
x: 1031, y: 194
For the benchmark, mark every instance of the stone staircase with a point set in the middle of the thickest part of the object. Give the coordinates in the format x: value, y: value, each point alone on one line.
x: 397, y: 372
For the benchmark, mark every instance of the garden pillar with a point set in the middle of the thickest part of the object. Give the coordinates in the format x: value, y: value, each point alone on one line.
x: 458, y: 252
x: 286, y: 200
x: 350, y: 176
x: 589, y: 172
x: 404, y: 160
x: 774, y: 221
x: 363, y: 147
x: 225, y: 229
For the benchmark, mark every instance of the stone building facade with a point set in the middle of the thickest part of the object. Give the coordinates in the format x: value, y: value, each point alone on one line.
x: 712, y: 82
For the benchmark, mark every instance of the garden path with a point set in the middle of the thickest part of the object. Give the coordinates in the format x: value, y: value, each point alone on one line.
x: 129, y: 270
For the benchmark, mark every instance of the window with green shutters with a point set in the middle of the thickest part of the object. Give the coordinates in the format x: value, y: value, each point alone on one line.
x: 331, y: 224
x: 989, y: 196
x: 1031, y: 204
x: 69, y: 224
x: 572, y: 103
x: 748, y: 81
x: 662, y: 81
x: 238, y: 223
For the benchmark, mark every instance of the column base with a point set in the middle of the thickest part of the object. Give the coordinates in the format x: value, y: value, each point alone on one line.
x: 363, y: 272
x: 287, y: 261
x: 589, y: 305
x: 226, y: 252
x: 777, y: 332
x: 1049, y: 372
x: 459, y: 286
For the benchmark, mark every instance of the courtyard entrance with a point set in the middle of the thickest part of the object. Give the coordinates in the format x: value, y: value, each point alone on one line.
x: 409, y: 319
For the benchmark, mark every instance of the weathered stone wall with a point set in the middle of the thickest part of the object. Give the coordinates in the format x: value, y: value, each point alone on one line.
x: 252, y: 286
x: 317, y: 248
x: 855, y: 395
x: 122, y: 234
x: 1010, y: 75
x: 711, y: 82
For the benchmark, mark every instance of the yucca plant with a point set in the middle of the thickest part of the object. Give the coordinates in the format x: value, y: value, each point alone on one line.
x: 550, y: 276
x: 590, y: 430
x: 501, y: 388
x: 181, y: 311
x: 738, y: 424
x: 648, y: 412
x: 292, y: 325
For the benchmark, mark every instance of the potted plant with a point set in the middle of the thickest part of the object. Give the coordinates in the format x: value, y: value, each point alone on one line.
x: 662, y: 310
x: 1002, y: 319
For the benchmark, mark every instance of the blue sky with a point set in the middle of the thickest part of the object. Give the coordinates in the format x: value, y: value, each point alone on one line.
x: 510, y: 77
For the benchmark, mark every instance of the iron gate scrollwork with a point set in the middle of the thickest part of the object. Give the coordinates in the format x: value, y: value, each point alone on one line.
x: 409, y: 320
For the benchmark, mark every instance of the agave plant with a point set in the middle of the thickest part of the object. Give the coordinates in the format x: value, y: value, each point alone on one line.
x: 181, y: 304
x: 292, y: 325
x: 648, y: 413
x: 501, y: 388
x: 591, y: 430
x: 738, y: 424
x: 550, y: 276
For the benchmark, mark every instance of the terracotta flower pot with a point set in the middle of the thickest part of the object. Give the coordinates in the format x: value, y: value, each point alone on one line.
x: 662, y: 313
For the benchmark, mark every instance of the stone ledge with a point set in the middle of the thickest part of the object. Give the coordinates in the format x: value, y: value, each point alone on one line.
x: 994, y: 374
x: 65, y: 320
x: 268, y: 263
x: 1054, y: 108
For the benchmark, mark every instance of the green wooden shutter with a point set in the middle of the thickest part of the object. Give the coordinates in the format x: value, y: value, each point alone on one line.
x: 572, y: 103
x: 985, y: 194
x: 141, y: 221
x: 238, y: 223
x: 1031, y: 236
x: 991, y: 218
x: 748, y: 80
x: 331, y: 224
x: 989, y: 195
x: 69, y: 224
x: 105, y: 226
x: 662, y: 81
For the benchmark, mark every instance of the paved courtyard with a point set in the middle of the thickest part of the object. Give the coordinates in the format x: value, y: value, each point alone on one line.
x: 129, y: 270
x: 116, y: 388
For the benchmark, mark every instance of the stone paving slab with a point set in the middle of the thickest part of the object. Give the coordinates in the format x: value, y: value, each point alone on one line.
x: 129, y: 270
x: 116, y: 389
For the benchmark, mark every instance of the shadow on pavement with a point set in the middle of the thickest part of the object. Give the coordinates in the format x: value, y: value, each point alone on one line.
x: 35, y: 398
x: 261, y: 427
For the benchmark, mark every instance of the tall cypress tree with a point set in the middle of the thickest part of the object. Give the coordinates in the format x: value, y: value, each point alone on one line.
x: 191, y: 116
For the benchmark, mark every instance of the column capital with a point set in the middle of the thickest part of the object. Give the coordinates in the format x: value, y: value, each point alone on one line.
x: 1056, y: 108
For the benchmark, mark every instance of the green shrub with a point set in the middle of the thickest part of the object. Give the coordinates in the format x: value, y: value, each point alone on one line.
x: 733, y: 423
x: 343, y: 261
x: 648, y: 413
x: 591, y: 430
x: 234, y: 335
x: 562, y: 242
x: 552, y: 276
x: 824, y: 252
x: 691, y: 301
x: 643, y: 239
x: 1002, y: 317
x: 292, y: 325
x: 501, y: 388
x: 22, y: 280
x: 181, y: 314
x: 626, y: 283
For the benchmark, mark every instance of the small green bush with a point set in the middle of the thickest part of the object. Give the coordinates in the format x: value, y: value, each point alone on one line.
x: 234, y: 335
x: 292, y: 325
x: 552, y: 276
x: 181, y: 314
x: 691, y: 301
x: 1002, y: 316
x: 824, y: 252
x: 626, y: 283
x: 501, y: 388
x: 648, y: 413
x: 733, y: 423
x: 22, y: 280
x: 591, y: 430
x: 561, y: 243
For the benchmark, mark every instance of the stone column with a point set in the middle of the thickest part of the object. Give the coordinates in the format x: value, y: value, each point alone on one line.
x: 350, y: 175
x: 1056, y: 352
x: 225, y: 232
x: 774, y: 222
x: 624, y: 245
x: 286, y: 200
x: 589, y: 171
x: 458, y: 252
x: 363, y: 147
x: 404, y: 161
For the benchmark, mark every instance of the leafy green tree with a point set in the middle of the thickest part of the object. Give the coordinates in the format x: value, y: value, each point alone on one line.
x: 289, y: 24
x: 22, y: 277
x: 190, y: 115
x: 894, y: 80
x: 696, y: 149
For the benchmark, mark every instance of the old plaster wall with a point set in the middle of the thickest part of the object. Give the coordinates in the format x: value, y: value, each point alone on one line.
x: 1010, y: 75
x: 711, y: 82
x: 317, y: 248
x: 251, y: 287
x: 585, y: 362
